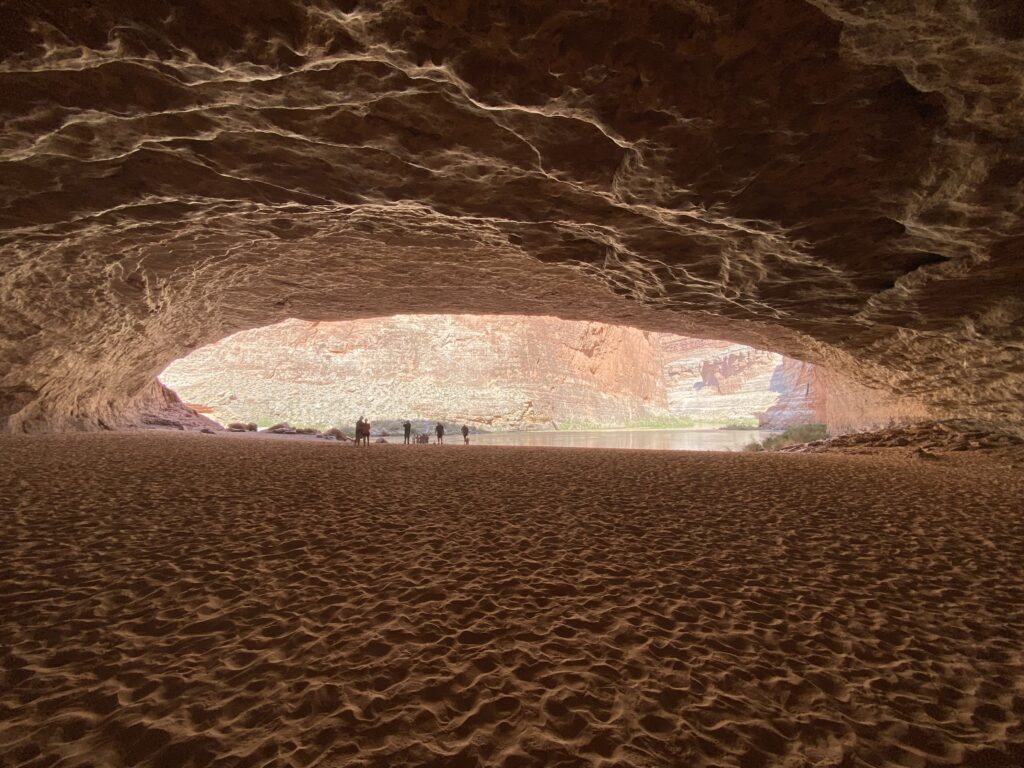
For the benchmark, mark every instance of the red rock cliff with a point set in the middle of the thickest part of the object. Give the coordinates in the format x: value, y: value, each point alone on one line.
x: 512, y: 372
x: 719, y: 381
x: 498, y: 372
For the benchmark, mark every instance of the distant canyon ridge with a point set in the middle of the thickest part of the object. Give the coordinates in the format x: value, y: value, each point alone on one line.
x: 508, y: 372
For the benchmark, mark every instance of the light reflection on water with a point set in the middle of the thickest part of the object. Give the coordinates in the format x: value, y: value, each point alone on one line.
x: 648, y: 439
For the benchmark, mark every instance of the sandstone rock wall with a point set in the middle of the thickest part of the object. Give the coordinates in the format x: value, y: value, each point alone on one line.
x: 502, y: 372
x: 162, y: 408
x: 852, y: 407
x: 804, y: 398
x: 832, y: 179
x: 494, y: 372
x: 718, y: 381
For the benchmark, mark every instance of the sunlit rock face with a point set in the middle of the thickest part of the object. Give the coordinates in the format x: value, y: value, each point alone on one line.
x: 834, y: 180
x: 717, y: 381
x: 804, y: 397
x: 492, y: 372
x: 508, y: 372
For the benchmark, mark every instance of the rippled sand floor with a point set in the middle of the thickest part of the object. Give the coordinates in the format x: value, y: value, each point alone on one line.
x: 191, y: 600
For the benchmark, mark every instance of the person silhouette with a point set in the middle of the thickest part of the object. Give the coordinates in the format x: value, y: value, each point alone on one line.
x: 359, y: 429
x: 439, y: 431
x: 407, y: 426
x: 366, y: 433
x: 465, y: 434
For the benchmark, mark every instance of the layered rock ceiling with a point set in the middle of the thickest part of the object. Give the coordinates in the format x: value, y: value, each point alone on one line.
x: 495, y: 372
x: 835, y: 180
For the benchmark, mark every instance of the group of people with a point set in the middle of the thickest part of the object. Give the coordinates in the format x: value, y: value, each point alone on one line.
x: 363, y: 432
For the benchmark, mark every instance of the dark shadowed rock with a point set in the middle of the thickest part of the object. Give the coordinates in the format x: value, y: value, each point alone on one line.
x: 284, y: 428
x: 835, y: 180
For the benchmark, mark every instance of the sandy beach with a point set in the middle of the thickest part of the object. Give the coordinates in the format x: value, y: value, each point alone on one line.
x: 174, y: 599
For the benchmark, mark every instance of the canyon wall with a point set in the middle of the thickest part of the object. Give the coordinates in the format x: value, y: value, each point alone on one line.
x: 721, y: 382
x: 492, y: 372
x: 496, y: 372
x: 804, y: 397
x: 851, y: 407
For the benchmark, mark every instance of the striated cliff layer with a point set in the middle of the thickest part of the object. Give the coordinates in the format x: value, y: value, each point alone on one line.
x: 834, y: 180
x: 721, y: 382
x: 508, y: 372
x: 718, y: 381
x: 805, y: 396
x: 494, y: 372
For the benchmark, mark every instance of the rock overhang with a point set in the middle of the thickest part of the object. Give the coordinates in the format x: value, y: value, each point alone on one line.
x: 832, y: 180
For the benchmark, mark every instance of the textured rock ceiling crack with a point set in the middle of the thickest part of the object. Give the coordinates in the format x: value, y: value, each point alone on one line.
x: 838, y: 181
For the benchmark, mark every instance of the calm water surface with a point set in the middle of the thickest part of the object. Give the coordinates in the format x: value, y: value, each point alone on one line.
x: 650, y: 439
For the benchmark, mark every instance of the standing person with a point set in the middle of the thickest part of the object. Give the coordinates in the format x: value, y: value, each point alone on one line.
x: 439, y: 431
x: 366, y: 433
x: 407, y: 426
x: 465, y: 434
x: 359, y: 430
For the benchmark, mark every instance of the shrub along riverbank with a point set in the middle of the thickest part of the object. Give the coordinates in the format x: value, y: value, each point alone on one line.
x: 805, y: 433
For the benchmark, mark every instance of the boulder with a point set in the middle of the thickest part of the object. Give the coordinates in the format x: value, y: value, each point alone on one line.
x: 284, y: 428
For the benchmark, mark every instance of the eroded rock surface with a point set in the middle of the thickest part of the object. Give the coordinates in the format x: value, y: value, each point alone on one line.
x: 505, y: 372
x: 834, y: 180
x: 490, y: 371
x: 161, y: 408
x: 712, y: 380
x: 497, y: 372
x: 929, y: 441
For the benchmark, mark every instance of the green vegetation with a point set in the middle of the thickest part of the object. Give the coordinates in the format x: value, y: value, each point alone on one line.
x: 750, y: 423
x: 805, y: 433
x: 667, y: 422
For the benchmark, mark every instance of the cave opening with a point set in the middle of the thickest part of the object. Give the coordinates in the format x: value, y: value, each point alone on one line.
x: 510, y: 379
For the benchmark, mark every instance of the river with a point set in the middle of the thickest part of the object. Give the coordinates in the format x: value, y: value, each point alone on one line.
x: 648, y: 439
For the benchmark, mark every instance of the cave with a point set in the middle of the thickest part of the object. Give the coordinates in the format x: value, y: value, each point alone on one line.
x: 834, y: 181
x: 826, y: 181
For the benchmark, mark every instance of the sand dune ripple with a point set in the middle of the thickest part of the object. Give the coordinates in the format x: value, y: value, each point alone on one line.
x: 194, y: 600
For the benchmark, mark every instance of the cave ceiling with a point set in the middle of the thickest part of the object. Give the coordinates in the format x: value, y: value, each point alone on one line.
x: 837, y: 180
